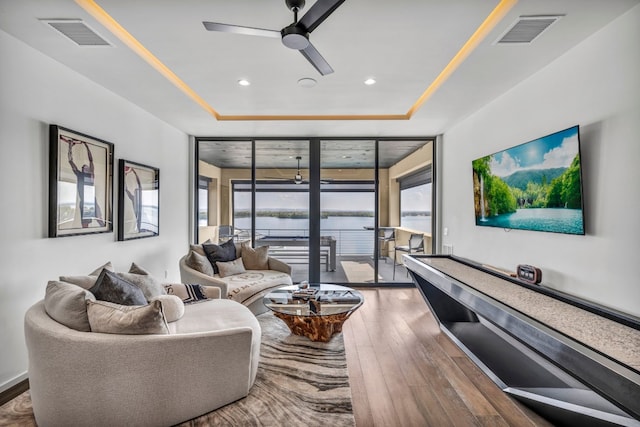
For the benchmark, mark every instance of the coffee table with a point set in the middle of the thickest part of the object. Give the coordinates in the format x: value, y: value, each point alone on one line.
x: 317, y: 312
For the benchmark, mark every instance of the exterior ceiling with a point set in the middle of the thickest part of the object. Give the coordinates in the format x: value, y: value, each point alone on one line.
x: 335, y: 154
x: 405, y: 45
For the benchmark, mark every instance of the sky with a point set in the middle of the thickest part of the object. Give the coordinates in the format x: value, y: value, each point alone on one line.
x: 553, y: 151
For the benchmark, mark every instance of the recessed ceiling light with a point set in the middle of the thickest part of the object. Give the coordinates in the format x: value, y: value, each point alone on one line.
x: 370, y: 81
x: 307, y: 82
x: 244, y: 82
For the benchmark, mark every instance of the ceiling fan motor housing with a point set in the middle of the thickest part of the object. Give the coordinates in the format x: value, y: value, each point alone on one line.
x: 294, y: 4
x: 295, y: 37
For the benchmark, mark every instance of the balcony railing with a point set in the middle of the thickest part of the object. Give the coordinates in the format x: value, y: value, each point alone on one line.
x: 348, y: 241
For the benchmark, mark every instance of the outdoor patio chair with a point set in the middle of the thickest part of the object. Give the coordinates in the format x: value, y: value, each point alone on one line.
x: 416, y: 245
x: 388, y: 235
x: 225, y: 232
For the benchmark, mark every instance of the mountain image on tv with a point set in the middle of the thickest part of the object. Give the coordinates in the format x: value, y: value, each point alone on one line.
x: 532, y: 186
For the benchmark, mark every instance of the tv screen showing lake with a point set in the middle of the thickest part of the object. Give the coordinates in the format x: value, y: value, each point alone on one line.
x: 553, y: 220
x: 532, y: 186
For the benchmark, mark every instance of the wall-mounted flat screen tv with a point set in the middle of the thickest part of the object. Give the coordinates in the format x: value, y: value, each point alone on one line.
x: 533, y: 186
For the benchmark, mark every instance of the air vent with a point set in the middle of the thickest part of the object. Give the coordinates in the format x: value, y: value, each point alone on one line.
x: 528, y: 28
x: 77, y: 31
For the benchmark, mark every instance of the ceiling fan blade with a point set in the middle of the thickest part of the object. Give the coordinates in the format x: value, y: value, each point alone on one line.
x: 318, y: 13
x: 314, y: 57
x: 237, y: 29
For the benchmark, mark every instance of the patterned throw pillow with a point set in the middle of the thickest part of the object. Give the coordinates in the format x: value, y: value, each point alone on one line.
x: 199, y: 263
x: 190, y: 293
x: 230, y: 268
x: 112, y: 318
x: 224, y: 252
x: 255, y: 259
x: 110, y: 287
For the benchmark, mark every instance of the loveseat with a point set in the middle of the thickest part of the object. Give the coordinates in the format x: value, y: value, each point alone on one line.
x: 242, y: 274
x: 206, y: 357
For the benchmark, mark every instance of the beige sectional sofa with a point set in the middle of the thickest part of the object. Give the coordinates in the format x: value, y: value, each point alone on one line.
x: 258, y: 274
x: 206, y: 357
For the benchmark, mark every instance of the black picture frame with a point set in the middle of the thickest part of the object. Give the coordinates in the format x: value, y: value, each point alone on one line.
x: 80, y: 183
x: 138, y: 200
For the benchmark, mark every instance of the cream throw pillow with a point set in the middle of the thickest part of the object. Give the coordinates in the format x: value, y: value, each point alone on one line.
x: 255, y: 259
x: 67, y: 304
x: 172, y: 307
x: 110, y: 318
x: 198, y: 248
x: 230, y: 268
x: 89, y: 280
x: 199, y: 263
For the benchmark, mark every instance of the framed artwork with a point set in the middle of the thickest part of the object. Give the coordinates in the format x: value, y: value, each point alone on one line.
x: 138, y: 201
x: 80, y: 183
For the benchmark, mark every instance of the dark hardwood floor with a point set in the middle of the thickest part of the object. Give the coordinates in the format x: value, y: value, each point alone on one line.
x: 405, y: 372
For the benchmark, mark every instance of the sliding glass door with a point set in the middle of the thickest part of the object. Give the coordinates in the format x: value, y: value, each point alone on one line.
x: 282, y: 202
x: 347, y: 211
x: 406, y: 200
x: 218, y: 164
x: 335, y: 209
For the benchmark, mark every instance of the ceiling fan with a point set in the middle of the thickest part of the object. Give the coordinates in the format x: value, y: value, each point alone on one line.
x: 297, y: 179
x: 296, y: 35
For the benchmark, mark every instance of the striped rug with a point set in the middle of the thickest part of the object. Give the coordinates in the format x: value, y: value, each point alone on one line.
x: 299, y: 383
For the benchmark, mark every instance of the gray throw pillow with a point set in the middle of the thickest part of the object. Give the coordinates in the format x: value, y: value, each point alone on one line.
x: 230, y: 268
x: 224, y: 252
x: 110, y: 287
x: 149, y: 286
x: 67, y: 304
x: 136, y: 269
x: 112, y: 318
x: 199, y: 263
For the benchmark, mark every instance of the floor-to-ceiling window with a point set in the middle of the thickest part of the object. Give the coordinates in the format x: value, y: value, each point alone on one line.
x: 347, y: 208
x: 415, y: 201
x: 203, y: 201
x: 332, y: 226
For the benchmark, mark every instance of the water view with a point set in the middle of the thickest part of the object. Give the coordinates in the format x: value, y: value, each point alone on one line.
x: 353, y: 234
x: 544, y: 219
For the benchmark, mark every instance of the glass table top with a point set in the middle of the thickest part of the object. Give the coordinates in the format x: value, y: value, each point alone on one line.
x: 316, y: 300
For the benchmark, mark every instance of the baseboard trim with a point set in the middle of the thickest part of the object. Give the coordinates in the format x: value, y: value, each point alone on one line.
x: 14, y: 391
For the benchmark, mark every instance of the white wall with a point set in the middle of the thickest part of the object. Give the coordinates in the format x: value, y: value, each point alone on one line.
x: 595, y: 85
x: 36, y: 91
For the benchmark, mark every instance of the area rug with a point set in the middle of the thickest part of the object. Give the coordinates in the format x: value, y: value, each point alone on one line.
x: 358, y: 272
x: 299, y: 383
